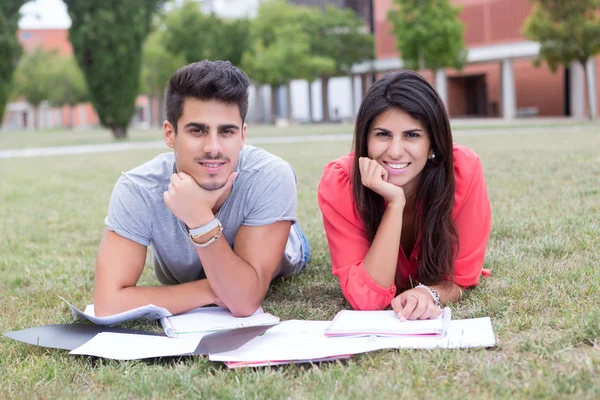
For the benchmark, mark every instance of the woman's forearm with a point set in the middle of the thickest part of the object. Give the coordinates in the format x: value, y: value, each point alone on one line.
x: 382, y: 258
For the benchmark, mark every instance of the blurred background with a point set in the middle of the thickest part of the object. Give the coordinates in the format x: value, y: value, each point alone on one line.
x: 83, y: 64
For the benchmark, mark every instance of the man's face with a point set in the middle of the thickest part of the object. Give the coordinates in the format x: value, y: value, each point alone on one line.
x: 210, y: 136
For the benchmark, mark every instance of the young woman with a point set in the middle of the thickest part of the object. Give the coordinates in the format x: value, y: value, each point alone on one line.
x: 407, y: 214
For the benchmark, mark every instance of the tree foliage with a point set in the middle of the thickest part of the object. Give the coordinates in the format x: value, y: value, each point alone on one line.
x: 158, y: 66
x: 33, y: 78
x: 567, y: 32
x: 196, y: 36
x: 281, y: 47
x: 67, y: 83
x: 428, y: 34
x: 10, y: 48
x: 342, y: 37
x: 107, y: 38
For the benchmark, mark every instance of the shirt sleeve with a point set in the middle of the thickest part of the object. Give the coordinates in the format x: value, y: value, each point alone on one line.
x: 473, y: 222
x: 348, y: 244
x: 274, y: 193
x: 128, y: 214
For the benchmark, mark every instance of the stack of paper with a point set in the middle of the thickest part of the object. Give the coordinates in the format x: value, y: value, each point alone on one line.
x: 305, y: 341
x: 260, y: 339
x: 386, y: 323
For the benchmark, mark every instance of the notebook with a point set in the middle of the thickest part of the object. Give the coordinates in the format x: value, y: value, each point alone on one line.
x: 212, y: 319
x: 386, y: 323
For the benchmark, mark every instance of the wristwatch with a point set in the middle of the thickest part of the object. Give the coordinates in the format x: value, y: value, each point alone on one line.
x: 203, y: 230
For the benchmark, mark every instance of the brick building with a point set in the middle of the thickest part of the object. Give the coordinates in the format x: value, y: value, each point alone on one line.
x: 500, y: 78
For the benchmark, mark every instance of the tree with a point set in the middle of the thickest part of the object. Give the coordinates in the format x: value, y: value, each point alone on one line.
x: 197, y: 36
x: 428, y: 34
x: 107, y: 38
x: 68, y: 84
x: 158, y: 66
x: 10, y: 48
x: 281, y: 49
x: 342, y: 37
x: 33, y: 79
x: 567, y: 32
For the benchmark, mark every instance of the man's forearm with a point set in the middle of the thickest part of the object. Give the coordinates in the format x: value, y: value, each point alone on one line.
x: 176, y: 298
x: 234, y: 281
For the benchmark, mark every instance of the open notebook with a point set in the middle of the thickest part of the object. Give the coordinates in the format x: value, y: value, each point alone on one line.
x: 212, y: 319
x: 386, y: 323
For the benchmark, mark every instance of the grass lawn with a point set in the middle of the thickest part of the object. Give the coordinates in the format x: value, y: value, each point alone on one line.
x: 64, y: 137
x: 542, y: 296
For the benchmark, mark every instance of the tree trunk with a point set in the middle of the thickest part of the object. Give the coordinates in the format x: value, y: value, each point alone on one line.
x: 35, y: 118
x: 151, y: 110
x: 310, y: 103
x: 71, y: 116
x: 259, y: 103
x: 586, y: 90
x: 288, y: 101
x: 161, y: 111
x: 119, y: 132
x: 273, y: 115
x: 325, y: 98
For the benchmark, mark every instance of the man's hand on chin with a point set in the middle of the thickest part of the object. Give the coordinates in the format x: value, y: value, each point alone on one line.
x: 189, y: 202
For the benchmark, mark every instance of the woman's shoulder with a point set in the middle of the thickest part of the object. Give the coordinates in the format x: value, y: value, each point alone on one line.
x: 335, y: 187
x: 337, y: 172
x: 467, y: 172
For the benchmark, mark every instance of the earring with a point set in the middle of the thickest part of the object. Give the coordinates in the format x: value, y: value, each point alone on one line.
x: 432, y: 156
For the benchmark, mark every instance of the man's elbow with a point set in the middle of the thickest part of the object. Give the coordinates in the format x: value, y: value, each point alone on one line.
x: 104, y: 306
x: 246, y: 310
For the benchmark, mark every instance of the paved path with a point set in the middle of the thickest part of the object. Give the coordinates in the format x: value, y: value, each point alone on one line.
x: 345, y: 137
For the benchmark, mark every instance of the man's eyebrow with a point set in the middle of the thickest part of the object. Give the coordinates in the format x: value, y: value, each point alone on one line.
x: 197, y: 125
x: 228, y: 126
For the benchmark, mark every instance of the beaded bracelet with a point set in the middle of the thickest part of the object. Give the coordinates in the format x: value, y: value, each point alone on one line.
x: 434, y: 293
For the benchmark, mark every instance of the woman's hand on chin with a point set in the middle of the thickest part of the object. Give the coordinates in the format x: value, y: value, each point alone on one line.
x: 374, y: 176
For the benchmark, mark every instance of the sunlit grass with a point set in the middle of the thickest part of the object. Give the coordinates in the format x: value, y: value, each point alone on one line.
x: 542, y: 296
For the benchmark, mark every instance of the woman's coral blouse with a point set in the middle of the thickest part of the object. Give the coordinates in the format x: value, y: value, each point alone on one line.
x: 348, y: 243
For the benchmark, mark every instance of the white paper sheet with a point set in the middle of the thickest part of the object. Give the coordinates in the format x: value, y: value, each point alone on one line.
x: 150, y: 312
x: 212, y: 319
x: 243, y: 364
x: 125, y: 346
x: 385, y: 323
x: 305, y: 340
x: 295, y: 340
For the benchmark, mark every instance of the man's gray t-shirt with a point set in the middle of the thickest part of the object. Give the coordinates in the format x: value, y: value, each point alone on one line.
x: 264, y: 192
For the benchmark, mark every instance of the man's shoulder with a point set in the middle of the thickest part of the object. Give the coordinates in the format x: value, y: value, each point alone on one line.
x: 255, y: 159
x: 152, y: 174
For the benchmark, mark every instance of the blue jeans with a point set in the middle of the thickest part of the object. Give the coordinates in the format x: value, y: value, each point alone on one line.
x: 305, y: 245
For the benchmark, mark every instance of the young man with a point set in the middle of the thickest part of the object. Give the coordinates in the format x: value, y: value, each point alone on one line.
x: 220, y: 215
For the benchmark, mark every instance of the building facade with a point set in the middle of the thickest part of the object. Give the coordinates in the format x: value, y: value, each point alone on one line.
x: 500, y: 79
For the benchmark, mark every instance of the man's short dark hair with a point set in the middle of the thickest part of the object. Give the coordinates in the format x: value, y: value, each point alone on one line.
x: 206, y: 80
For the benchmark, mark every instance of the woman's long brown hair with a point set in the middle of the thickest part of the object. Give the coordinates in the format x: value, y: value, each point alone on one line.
x: 408, y: 91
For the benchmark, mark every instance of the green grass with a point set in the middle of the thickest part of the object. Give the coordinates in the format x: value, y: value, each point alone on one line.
x: 542, y: 296
x: 64, y: 137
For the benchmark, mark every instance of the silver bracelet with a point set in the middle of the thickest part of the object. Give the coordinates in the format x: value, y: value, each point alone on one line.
x: 435, y: 295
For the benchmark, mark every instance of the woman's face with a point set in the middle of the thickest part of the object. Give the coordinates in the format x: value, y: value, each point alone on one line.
x: 400, y: 144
